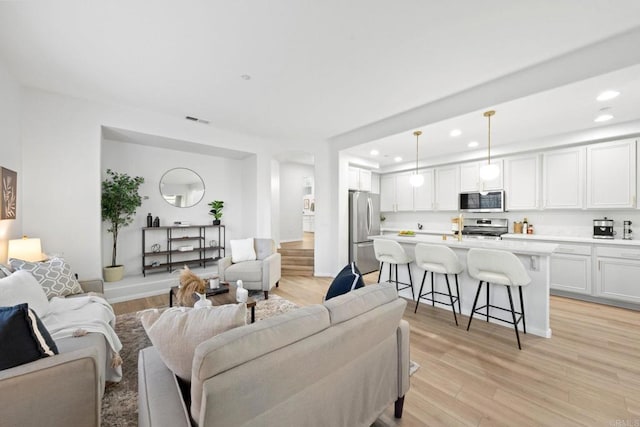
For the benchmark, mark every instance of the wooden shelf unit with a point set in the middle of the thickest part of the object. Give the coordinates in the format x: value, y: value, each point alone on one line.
x: 169, y: 258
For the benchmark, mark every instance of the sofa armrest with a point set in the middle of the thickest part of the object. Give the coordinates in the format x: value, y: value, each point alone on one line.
x: 271, y: 270
x: 403, y: 358
x: 223, y: 264
x: 65, y: 387
x: 93, y: 285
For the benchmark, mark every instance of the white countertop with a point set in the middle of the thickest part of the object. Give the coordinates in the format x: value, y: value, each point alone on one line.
x: 439, y: 232
x: 570, y: 239
x: 516, y: 246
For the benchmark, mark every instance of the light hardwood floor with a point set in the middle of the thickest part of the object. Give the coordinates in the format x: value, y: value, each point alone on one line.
x: 587, y: 374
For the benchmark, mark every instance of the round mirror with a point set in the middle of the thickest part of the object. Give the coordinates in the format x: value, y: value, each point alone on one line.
x: 181, y: 187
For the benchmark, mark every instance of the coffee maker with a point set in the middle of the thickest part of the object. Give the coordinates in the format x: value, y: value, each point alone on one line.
x: 627, y: 232
x: 603, y: 228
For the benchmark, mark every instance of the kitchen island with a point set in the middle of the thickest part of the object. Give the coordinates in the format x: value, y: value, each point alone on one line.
x: 535, y: 256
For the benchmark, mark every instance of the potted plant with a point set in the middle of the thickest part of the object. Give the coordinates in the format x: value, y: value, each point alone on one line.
x: 120, y: 200
x: 216, y: 210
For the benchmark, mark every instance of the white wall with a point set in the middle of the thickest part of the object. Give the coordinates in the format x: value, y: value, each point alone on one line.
x: 11, y: 158
x: 220, y: 176
x: 291, y: 203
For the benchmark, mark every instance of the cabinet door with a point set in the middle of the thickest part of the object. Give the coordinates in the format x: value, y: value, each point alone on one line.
x: 571, y: 273
x: 611, y: 181
x: 618, y: 279
x: 423, y: 195
x: 563, y: 184
x: 470, y: 177
x: 354, y: 178
x: 521, y: 182
x: 388, y: 193
x: 446, y: 185
x: 404, y: 192
x: 364, y: 179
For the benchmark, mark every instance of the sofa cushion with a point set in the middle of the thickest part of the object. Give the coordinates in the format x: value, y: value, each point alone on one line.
x: 248, y: 271
x: 22, y: 287
x: 242, y: 250
x: 23, y: 337
x: 177, y: 331
x: 352, y: 304
x: 54, y: 275
x: 264, y: 247
x: 347, y: 280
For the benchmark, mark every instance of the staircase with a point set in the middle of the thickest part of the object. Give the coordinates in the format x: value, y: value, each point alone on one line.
x: 296, y: 262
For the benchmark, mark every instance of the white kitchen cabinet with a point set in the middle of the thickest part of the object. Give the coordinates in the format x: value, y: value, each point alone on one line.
x: 404, y: 192
x: 359, y: 179
x: 521, y: 178
x: 423, y: 196
x: 396, y: 193
x: 563, y: 178
x: 617, y: 272
x: 446, y: 188
x: 571, y: 269
x: 611, y: 175
x: 470, y: 177
x: 388, y: 193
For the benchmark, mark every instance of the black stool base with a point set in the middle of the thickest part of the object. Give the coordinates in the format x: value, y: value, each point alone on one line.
x: 452, y: 298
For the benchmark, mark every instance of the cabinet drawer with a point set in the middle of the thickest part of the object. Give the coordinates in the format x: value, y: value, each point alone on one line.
x: 572, y: 249
x: 613, y: 252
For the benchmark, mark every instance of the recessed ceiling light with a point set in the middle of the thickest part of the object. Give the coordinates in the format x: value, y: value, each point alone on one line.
x: 472, y: 144
x: 603, y: 118
x: 397, y: 159
x: 607, y: 95
x: 455, y: 132
x: 374, y: 152
x: 245, y: 77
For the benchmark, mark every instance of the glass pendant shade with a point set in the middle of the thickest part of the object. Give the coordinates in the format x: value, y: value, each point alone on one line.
x: 416, y: 180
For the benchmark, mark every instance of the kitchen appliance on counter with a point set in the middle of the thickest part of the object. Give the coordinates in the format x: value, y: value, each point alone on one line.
x: 603, y: 228
x: 364, y: 221
x: 485, y: 228
x: 475, y: 201
x: 627, y: 231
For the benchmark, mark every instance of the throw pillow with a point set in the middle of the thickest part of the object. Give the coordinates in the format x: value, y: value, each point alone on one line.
x: 23, y: 337
x: 177, y: 331
x: 242, y: 250
x: 347, y: 280
x: 22, y: 287
x: 54, y: 276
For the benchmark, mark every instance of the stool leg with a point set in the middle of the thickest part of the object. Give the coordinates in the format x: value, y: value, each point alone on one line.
x: 433, y: 293
x: 380, y: 272
x: 453, y: 306
x: 488, y: 301
x: 397, y: 285
x: 458, y: 293
x: 390, y: 268
x: 475, y: 301
x: 420, y: 293
x: 524, y: 323
x: 413, y: 296
x: 513, y: 314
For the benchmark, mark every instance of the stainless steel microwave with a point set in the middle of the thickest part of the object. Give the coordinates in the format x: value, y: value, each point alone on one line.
x: 475, y: 201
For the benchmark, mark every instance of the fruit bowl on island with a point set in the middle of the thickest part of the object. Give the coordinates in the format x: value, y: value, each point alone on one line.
x: 407, y: 233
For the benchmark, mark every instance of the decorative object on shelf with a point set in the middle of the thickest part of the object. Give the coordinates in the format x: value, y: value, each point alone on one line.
x: 241, y: 293
x: 156, y: 222
x: 190, y: 283
x: 181, y: 187
x: 155, y: 248
x: 203, y: 302
x: 120, y: 200
x: 155, y: 264
x: 383, y: 218
x: 8, y: 203
x: 214, y: 282
x: 185, y: 248
x: 213, y: 243
x: 181, y: 223
x: 416, y: 179
x: 216, y: 210
x: 149, y: 220
x: 489, y: 171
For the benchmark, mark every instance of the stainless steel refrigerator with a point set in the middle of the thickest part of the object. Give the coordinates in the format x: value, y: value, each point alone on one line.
x: 364, y: 221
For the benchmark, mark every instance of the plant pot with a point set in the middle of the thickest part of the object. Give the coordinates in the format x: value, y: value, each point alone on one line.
x: 113, y: 274
x: 216, y: 222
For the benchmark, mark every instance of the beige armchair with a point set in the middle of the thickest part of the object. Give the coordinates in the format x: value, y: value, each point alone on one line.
x: 262, y: 274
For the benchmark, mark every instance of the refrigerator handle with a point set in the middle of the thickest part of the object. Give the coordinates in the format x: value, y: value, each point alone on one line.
x: 369, y: 215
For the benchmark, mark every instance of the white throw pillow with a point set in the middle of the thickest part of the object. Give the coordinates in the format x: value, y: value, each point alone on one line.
x: 177, y: 331
x: 22, y: 287
x: 54, y: 275
x: 242, y: 250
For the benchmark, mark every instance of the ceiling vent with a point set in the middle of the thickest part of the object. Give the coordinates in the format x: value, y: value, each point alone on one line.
x: 195, y: 119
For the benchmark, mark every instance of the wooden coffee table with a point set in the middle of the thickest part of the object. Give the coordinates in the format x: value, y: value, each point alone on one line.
x: 219, y: 297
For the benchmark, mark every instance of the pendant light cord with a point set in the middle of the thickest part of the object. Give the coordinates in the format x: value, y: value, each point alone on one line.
x: 488, y: 115
x: 417, y: 134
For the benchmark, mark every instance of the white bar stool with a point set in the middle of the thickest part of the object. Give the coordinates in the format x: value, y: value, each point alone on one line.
x: 438, y: 259
x: 500, y: 268
x: 390, y: 252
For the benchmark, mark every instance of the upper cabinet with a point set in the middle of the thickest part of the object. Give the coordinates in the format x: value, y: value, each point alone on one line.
x: 521, y: 177
x: 563, y: 178
x: 611, y: 180
x: 359, y: 179
x: 446, y: 188
x: 423, y: 199
x: 396, y: 193
x: 470, y: 177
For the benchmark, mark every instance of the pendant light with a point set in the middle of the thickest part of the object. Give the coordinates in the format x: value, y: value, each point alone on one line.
x: 416, y: 180
x: 489, y: 171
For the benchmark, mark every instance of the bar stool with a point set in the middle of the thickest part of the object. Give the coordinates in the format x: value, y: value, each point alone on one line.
x: 438, y: 259
x: 500, y: 268
x: 391, y: 252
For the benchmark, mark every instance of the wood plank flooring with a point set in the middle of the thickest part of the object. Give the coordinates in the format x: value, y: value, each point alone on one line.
x: 587, y: 374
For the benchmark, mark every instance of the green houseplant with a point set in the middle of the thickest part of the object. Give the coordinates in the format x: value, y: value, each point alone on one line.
x: 216, y: 210
x: 120, y: 200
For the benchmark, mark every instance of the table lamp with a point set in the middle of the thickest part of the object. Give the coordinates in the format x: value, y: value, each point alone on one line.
x: 26, y: 249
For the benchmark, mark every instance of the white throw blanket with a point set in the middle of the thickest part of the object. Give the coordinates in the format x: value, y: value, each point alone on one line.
x: 69, y: 317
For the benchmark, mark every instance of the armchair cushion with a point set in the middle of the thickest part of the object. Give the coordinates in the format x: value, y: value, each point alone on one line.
x: 242, y: 250
x: 248, y: 271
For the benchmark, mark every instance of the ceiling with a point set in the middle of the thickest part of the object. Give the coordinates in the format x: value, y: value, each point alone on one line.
x: 319, y: 69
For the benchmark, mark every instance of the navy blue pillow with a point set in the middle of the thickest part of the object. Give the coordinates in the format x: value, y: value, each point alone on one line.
x: 23, y: 337
x: 347, y: 280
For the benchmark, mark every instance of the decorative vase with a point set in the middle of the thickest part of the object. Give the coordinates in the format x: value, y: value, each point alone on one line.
x: 203, y: 302
x: 216, y: 222
x: 214, y: 282
x: 156, y: 222
x: 149, y: 220
x: 241, y: 293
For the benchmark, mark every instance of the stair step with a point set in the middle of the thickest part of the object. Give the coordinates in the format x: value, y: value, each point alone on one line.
x: 296, y: 252
x: 296, y: 260
x: 297, y: 270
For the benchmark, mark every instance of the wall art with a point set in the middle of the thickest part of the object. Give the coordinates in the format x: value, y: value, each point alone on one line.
x: 9, y: 182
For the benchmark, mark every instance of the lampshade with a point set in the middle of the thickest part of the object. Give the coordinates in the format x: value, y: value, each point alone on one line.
x: 416, y: 180
x: 26, y: 249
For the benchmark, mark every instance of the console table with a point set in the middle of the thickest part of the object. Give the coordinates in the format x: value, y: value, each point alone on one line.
x: 170, y: 257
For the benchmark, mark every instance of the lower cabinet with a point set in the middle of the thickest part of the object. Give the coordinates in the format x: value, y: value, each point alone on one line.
x: 617, y: 272
x: 571, y: 269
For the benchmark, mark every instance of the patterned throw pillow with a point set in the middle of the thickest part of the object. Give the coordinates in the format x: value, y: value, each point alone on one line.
x: 54, y: 276
x: 347, y: 280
